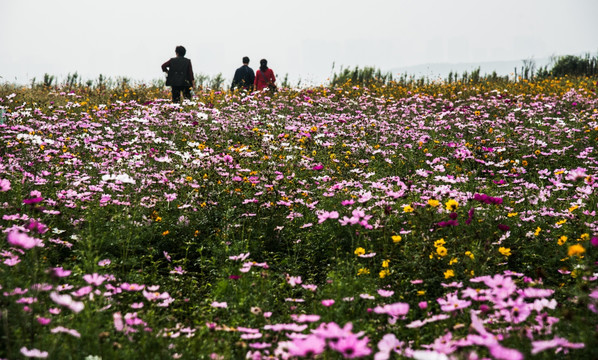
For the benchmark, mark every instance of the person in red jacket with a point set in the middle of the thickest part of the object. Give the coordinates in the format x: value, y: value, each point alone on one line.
x: 264, y: 77
x: 180, y: 75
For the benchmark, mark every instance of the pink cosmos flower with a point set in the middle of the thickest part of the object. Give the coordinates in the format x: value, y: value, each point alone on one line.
x: 332, y: 330
x: 308, y: 347
x: 501, y: 286
x: 241, y: 257
x: 310, y: 287
x: 62, y: 329
x: 132, y: 319
x: 60, y: 272
x: 303, y: 318
x: 11, y: 261
x: 294, y: 280
x: 22, y: 240
x: 453, y: 303
x: 94, y: 279
x: 104, y: 262
x: 37, y: 226
x: 132, y: 287
x: 152, y: 296
x: 138, y: 305
x: 385, y: 293
x: 285, y: 327
x: 328, y: 302
x: 388, y: 344
x: 217, y: 304
x: 324, y: 215
x: 118, y: 321
x: 54, y: 311
x: 34, y: 353
x: 4, y: 185
x: 351, y: 346
x: 576, y: 174
x: 83, y: 291
x: 541, y: 345
x: 395, y: 311
x: 67, y: 301
x: 178, y: 270
x: 500, y: 352
x: 43, y: 320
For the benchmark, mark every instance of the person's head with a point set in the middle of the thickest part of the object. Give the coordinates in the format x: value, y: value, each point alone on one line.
x: 180, y: 51
x: 245, y: 60
x: 263, y: 64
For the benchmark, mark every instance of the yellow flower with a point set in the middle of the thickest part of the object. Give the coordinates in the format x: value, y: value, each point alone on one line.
x: 433, y: 203
x: 421, y: 292
x: 363, y: 271
x: 158, y: 218
x: 451, y: 205
x: 439, y: 242
x: 562, y: 240
x: 470, y: 254
x: 504, y: 251
x: 512, y: 214
x: 449, y: 274
x: 537, y: 232
x: 561, y: 222
x: 396, y: 238
x: 384, y: 273
x: 576, y: 250
x: 385, y: 263
x: 359, y: 251
x: 585, y: 236
x: 441, y: 251
x: 453, y: 261
x: 407, y: 208
x: 165, y: 233
x: 573, y: 208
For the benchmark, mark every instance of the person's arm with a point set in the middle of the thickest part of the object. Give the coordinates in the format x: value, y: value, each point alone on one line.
x: 272, y: 77
x: 165, y: 66
x: 236, y: 80
x: 251, y: 77
x: 190, y: 75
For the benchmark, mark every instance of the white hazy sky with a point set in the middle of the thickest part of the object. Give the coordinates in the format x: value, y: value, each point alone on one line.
x: 303, y: 39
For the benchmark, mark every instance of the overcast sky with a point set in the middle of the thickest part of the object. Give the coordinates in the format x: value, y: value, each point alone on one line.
x: 303, y: 39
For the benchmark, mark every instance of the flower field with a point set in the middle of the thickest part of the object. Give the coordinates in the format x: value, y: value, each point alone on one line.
x: 441, y: 221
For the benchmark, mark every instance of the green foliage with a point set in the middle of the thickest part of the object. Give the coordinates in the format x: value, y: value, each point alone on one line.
x: 366, y: 76
x: 575, y: 66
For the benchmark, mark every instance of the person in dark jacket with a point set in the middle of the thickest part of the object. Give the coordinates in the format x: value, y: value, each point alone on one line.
x: 244, y: 76
x: 180, y: 75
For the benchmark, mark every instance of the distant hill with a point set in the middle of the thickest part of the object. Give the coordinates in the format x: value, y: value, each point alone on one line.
x: 441, y: 70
